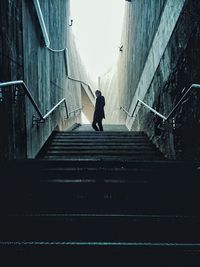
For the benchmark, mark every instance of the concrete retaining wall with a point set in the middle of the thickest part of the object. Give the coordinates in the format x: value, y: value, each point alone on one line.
x: 177, y: 70
x: 159, y: 59
x: 24, y: 56
x: 141, y: 21
x: 12, y: 115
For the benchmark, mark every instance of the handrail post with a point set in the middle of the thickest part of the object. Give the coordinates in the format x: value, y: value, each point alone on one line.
x: 67, y: 113
x: 173, y: 123
x: 36, y: 121
x: 135, y: 108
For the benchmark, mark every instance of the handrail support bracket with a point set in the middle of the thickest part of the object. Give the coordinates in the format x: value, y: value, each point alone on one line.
x: 36, y: 121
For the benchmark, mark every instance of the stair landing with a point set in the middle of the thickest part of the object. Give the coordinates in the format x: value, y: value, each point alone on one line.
x: 106, y: 127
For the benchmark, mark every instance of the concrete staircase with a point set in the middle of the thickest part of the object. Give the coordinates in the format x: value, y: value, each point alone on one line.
x: 100, y: 199
x: 99, y: 146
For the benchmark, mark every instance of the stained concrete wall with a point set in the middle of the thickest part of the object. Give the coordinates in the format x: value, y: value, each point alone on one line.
x: 141, y: 20
x: 88, y: 105
x: 109, y: 85
x: 177, y: 70
x: 23, y: 56
x: 12, y: 114
x: 159, y: 59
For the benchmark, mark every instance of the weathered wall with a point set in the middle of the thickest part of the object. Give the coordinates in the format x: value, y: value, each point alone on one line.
x: 88, y: 105
x: 24, y: 56
x: 159, y: 58
x: 109, y: 86
x: 141, y: 21
x: 44, y: 71
x: 12, y: 115
x: 178, y: 68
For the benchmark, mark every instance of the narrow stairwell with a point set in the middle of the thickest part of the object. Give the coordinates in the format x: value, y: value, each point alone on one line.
x: 101, y: 196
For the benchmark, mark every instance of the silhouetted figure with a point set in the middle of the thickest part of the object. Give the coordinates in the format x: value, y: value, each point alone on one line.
x: 99, y: 111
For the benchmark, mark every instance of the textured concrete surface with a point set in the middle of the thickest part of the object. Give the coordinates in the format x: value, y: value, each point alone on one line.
x: 178, y: 69
x: 45, y: 73
x: 23, y: 56
x: 168, y: 20
x: 12, y: 115
x: 159, y: 60
x: 141, y: 22
x: 107, y: 128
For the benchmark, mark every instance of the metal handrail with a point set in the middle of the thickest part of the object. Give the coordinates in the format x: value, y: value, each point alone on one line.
x: 165, y: 118
x: 75, y: 110
x: 71, y: 78
x: 47, y: 44
x: 57, y: 105
x: 193, y: 86
x: 126, y: 111
x: 150, y: 108
x: 146, y: 105
x: 42, y: 117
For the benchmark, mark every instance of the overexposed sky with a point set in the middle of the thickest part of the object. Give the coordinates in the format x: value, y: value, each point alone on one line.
x: 97, y: 26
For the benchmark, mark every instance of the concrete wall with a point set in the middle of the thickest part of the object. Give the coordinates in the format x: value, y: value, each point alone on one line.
x: 178, y: 68
x: 141, y: 20
x: 24, y: 56
x: 109, y: 85
x: 12, y: 114
x: 88, y: 105
x: 159, y: 58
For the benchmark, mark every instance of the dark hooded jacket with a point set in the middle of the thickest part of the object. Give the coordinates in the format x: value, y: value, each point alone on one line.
x: 99, y: 113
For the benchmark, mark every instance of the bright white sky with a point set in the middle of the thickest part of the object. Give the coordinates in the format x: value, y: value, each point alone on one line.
x: 97, y: 26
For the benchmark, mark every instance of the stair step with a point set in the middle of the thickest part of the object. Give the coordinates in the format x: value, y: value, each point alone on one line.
x: 33, y: 169
x: 102, y: 141
x: 103, y: 144
x: 106, y: 145
x: 109, y: 147
x: 101, y: 194
x: 93, y: 133
x: 101, y: 228
x: 113, y: 253
x: 107, y: 152
x: 101, y: 137
x: 61, y: 201
x: 90, y: 156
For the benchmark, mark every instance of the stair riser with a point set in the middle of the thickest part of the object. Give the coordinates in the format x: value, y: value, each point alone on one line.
x: 143, y: 255
x: 101, y: 146
x: 103, y: 142
x: 36, y: 229
x: 92, y: 157
x: 102, y: 203
x: 102, y: 149
x: 93, y: 133
x: 102, y: 173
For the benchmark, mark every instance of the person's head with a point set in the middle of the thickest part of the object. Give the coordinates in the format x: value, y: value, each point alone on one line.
x: 97, y: 93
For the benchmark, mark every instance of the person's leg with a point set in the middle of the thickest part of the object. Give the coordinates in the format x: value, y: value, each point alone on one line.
x: 100, y: 125
x: 94, y: 125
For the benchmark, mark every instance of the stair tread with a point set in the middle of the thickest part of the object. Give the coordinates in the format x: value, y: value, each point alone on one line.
x: 74, y: 227
x: 110, y: 189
